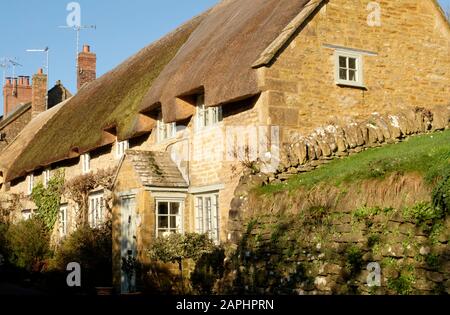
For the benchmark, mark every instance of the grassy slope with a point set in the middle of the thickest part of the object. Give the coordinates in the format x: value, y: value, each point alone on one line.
x: 428, y: 155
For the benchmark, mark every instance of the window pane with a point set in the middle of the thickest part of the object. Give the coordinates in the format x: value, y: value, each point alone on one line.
x: 206, y: 113
x: 352, y: 63
x: 199, y: 215
x: 163, y: 222
x: 352, y: 75
x: 175, y: 208
x: 342, y: 62
x: 163, y: 208
x: 173, y: 222
x: 343, y: 74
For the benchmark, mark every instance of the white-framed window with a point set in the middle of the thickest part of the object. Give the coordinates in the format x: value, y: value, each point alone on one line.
x: 121, y: 147
x: 207, y: 116
x: 169, y: 217
x: 46, y: 177
x: 86, y: 163
x: 30, y: 184
x: 349, y: 68
x: 63, y: 220
x: 27, y: 214
x: 96, y: 209
x: 165, y: 131
x: 207, y: 215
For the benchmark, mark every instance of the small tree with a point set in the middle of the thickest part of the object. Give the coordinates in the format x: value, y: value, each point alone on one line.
x: 176, y: 248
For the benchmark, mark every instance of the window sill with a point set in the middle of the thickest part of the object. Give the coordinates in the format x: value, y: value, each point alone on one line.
x: 352, y: 85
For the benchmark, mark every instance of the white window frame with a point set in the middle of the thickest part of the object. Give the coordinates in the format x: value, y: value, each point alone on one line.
x: 179, y: 217
x: 86, y: 163
x: 359, y: 82
x: 165, y: 131
x: 121, y: 147
x: 96, y: 207
x: 46, y: 177
x: 207, y: 217
x: 63, y: 209
x: 207, y: 117
x: 30, y: 184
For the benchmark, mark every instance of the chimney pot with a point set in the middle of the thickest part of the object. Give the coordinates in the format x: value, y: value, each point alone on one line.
x: 87, y: 64
x: 26, y: 81
x: 40, y: 71
x: 8, y: 81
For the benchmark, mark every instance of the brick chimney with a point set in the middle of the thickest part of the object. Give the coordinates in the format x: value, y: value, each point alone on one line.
x: 16, y: 91
x: 87, y: 64
x: 39, y: 97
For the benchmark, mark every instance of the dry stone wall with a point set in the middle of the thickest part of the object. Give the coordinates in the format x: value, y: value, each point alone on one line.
x: 305, y: 153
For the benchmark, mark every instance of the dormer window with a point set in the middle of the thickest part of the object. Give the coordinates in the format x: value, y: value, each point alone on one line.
x: 207, y: 116
x: 121, y: 147
x: 86, y: 163
x: 349, y: 69
x: 165, y: 131
x: 46, y: 177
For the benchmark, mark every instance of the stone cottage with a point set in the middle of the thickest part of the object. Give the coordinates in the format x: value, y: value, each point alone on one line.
x: 183, y: 117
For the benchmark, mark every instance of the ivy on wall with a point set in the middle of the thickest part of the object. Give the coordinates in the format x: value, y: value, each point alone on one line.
x: 47, y: 199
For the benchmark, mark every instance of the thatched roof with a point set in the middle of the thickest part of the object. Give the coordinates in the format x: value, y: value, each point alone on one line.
x: 101, y: 110
x: 18, y: 111
x: 219, y: 55
x: 215, y: 52
x: 25, y: 137
x: 156, y: 169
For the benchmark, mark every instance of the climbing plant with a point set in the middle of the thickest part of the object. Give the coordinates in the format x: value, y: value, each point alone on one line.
x: 47, y: 199
x: 78, y: 189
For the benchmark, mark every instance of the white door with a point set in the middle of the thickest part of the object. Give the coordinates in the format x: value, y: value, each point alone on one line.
x: 128, y: 241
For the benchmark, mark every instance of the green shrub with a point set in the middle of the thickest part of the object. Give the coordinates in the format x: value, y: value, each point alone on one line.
x: 441, y: 195
x: 402, y: 285
x: 353, y: 259
x: 28, y: 244
x: 432, y: 261
x: 422, y: 212
x: 92, y: 249
x: 208, y: 269
x: 3, y: 245
x: 373, y: 240
x: 177, y: 247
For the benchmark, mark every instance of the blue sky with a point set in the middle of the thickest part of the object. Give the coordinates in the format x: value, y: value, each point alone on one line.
x: 123, y: 28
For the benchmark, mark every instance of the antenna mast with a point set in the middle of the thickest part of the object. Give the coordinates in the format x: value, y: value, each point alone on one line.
x: 46, y: 50
x: 4, y: 64
x: 78, y: 29
x: 14, y: 64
